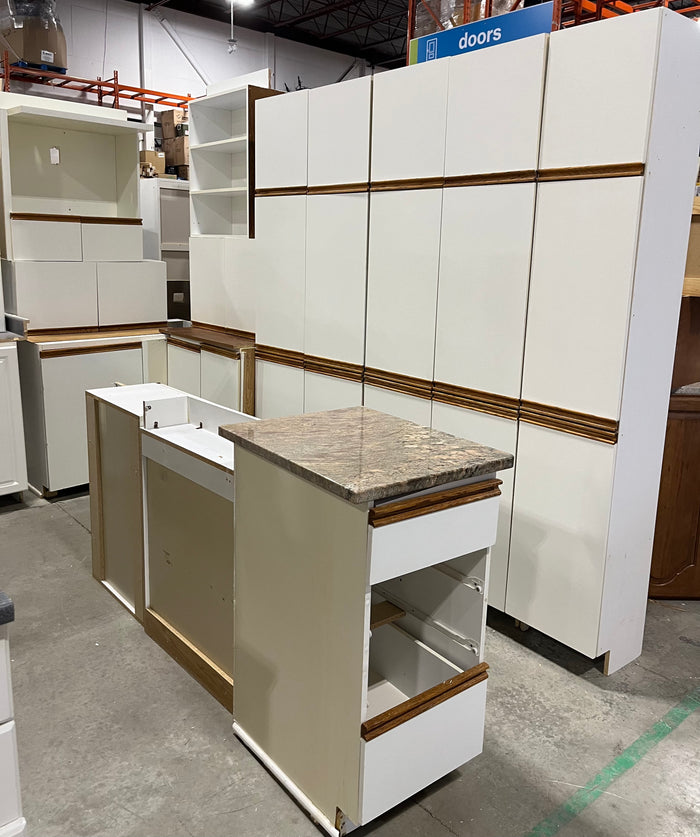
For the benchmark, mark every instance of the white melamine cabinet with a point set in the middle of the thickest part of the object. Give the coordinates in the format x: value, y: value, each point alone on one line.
x: 47, y: 241
x: 408, y: 122
x: 325, y: 392
x: 483, y: 290
x: 11, y: 821
x: 583, y: 263
x: 13, y: 466
x: 500, y: 433
x: 336, y: 276
x: 404, y: 253
x: 184, y: 368
x: 280, y: 238
x: 207, y: 289
x: 219, y: 379
x: 279, y: 390
x: 52, y: 294
x: 241, y: 283
x: 598, y: 112
x: 399, y: 404
x: 131, y: 292
x: 281, y: 130
x: 489, y: 93
x: 112, y: 242
x: 339, y: 128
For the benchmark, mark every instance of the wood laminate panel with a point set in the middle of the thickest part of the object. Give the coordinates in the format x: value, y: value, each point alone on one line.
x: 483, y: 287
x: 580, y: 294
x: 281, y: 129
x: 489, y: 92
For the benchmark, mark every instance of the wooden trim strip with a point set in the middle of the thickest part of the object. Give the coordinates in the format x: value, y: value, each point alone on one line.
x: 74, y: 219
x: 234, y: 332
x: 283, y: 357
x: 247, y: 373
x: 569, y: 421
x: 183, y: 344
x: 684, y: 404
x: 198, y: 665
x: 80, y: 331
x: 339, y: 189
x: 280, y: 191
x: 88, y: 350
x: 591, y: 172
x: 382, y: 613
x: 334, y: 368
x: 405, y: 184
x: 233, y: 354
x: 474, y: 399
x: 450, y: 498
x: 492, y: 179
x: 412, y: 707
x: 406, y: 384
x: 124, y: 222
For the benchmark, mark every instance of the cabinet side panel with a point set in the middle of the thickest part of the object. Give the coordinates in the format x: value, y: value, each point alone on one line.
x: 299, y: 590
x: 13, y: 469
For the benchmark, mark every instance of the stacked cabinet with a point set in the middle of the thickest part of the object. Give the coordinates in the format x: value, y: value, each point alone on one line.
x: 12, y: 822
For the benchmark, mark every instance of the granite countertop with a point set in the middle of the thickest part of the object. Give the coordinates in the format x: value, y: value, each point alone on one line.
x: 7, y: 609
x: 688, y: 389
x: 363, y: 455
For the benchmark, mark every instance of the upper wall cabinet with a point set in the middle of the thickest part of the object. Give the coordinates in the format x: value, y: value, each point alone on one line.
x: 580, y: 294
x: 484, y: 275
x: 600, y: 83
x: 281, y: 130
x: 339, y: 118
x: 408, y: 122
x: 494, y: 103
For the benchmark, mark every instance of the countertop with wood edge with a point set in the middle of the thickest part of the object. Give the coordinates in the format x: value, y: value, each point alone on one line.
x: 362, y: 455
x: 209, y: 337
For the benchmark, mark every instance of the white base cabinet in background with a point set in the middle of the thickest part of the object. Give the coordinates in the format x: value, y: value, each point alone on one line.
x: 13, y: 466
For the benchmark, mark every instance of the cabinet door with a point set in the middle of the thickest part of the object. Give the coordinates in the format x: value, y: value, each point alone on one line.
x: 339, y: 117
x: 280, y: 239
x: 207, y: 269
x: 13, y: 467
x: 184, y: 369
x: 580, y: 293
x: 561, y: 506
x: 281, y: 130
x: 220, y: 379
x: 10, y: 801
x: 409, y: 407
x: 131, y: 292
x: 484, y: 275
x: 336, y: 276
x: 597, y: 112
x: 404, y: 251
x: 489, y: 92
x: 53, y: 241
x: 56, y: 294
x: 498, y: 433
x: 66, y: 377
x: 241, y: 282
x: 409, y: 109
x: 112, y: 242
x: 279, y: 390
x: 323, y: 392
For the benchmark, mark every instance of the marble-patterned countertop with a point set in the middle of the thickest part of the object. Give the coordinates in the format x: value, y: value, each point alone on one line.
x: 364, y: 455
x: 7, y: 609
x: 688, y: 389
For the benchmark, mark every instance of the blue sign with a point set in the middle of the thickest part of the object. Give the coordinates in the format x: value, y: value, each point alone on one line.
x: 535, y: 20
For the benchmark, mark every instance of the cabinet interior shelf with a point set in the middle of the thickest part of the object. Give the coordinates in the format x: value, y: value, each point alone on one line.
x: 224, y: 146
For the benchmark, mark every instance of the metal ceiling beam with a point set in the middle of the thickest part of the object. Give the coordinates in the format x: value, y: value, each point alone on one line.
x: 326, y: 10
x: 364, y: 25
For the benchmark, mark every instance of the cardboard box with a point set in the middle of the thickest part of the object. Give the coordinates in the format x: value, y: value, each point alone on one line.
x: 177, y: 151
x: 169, y: 119
x: 183, y: 172
x: 36, y: 40
x: 155, y: 158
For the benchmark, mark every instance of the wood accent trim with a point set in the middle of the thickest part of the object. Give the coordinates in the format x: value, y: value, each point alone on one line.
x: 284, y: 357
x: 183, y: 344
x: 450, y: 498
x: 591, y: 172
x: 474, y: 399
x: 234, y: 332
x: 492, y: 179
x: 195, y: 663
x: 569, y: 421
x: 421, y: 703
x: 280, y: 191
x: 382, y: 613
x: 247, y: 373
x: 334, y: 368
x: 74, y: 219
x: 684, y: 404
x: 88, y: 350
x: 339, y: 189
x: 405, y: 184
x: 80, y: 331
x: 123, y: 222
x: 233, y: 354
x: 399, y: 383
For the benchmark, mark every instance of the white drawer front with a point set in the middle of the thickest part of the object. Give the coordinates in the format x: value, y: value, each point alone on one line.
x: 406, y: 759
x: 42, y: 241
x: 56, y: 294
x: 10, y: 803
x: 112, y: 242
x: 131, y: 293
x: 5, y: 678
x: 410, y: 545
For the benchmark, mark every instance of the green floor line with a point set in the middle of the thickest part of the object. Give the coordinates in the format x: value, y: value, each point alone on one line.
x: 627, y: 759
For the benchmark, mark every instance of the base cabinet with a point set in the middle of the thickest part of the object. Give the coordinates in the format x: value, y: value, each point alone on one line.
x: 207, y: 374
x: 279, y: 390
x: 13, y: 466
x: 11, y: 820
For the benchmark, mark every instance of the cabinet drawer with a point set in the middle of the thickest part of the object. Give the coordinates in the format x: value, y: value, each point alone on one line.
x: 10, y: 804
x: 112, y: 242
x: 407, y: 545
x: 55, y: 294
x: 46, y: 241
x: 131, y: 293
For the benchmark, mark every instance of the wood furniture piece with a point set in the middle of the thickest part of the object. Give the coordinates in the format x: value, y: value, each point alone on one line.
x: 11, y: 820
x: 378, y: 531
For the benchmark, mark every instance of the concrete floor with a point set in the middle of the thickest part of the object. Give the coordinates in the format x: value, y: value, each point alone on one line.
x: 115, y: 739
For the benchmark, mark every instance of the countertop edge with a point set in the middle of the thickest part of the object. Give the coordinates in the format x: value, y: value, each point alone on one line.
x: 7, y: 609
